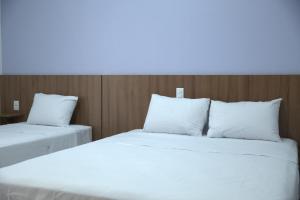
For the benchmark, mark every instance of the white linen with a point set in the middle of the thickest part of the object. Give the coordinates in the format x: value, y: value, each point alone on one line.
x: 176, y: 115
x: 52, y: 109
x: 144, y: 166
x: 22, y: 141
x: 245, y: 120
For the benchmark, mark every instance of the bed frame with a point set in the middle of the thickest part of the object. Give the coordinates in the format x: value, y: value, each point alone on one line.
x: 114, y: 104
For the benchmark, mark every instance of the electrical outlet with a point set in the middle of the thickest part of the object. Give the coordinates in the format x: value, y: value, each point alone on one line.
x: 16, y: 105
x: 180, y: 92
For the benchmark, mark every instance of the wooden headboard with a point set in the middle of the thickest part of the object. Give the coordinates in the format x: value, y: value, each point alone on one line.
x: 87, y: 88
x: 114, y: 104
x: 125, y: 99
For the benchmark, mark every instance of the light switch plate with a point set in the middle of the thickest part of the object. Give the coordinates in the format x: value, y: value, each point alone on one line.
x: 16, y: 105
x: 180, y: 92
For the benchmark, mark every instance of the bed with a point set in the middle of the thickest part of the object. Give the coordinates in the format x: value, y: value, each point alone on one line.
x: 22, y: 141
x: 156, y: 166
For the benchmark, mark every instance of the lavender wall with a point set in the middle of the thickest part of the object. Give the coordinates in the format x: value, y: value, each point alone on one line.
x: 151, y: 36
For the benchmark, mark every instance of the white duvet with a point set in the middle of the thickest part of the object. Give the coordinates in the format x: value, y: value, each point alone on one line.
x: 145, y: 166
x: 22, y: 141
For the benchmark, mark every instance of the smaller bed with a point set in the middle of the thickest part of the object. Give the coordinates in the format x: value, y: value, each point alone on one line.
x: 23, y: 141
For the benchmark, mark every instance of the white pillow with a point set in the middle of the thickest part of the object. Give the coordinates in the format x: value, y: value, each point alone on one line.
x: 176, y: 115
x: 53, y: 110
x: 245, y: 120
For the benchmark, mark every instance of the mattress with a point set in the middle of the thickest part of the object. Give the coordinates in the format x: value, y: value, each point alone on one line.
x: 148, y: 166
x: 22, y: 141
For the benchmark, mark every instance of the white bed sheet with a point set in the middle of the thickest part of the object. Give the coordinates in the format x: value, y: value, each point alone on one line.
x: 145, y: 166
x: 22, y: 141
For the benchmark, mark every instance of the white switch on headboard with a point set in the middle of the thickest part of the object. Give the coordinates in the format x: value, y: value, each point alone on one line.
x: 16, y: 105
x: 180, y: 92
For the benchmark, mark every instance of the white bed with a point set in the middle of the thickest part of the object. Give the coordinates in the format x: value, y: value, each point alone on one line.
x: 146, y: 166
x: 22, y: 141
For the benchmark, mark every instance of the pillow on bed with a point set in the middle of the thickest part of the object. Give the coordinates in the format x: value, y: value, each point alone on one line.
x: 245, y: 120
x: 176, y: 115
x: 53, y: 110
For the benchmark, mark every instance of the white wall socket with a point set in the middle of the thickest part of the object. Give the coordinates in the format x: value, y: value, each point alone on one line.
x: 16, y: 105
x: 180, y: 92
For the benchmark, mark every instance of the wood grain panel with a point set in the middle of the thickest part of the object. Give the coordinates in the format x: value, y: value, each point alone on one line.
x: 87, y: 88
x: 124, y: 101
x: 1, y: 92
x: 114, y: 104
x: 126, y: 98
x: 294, y: 108
x: 225, y: 88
